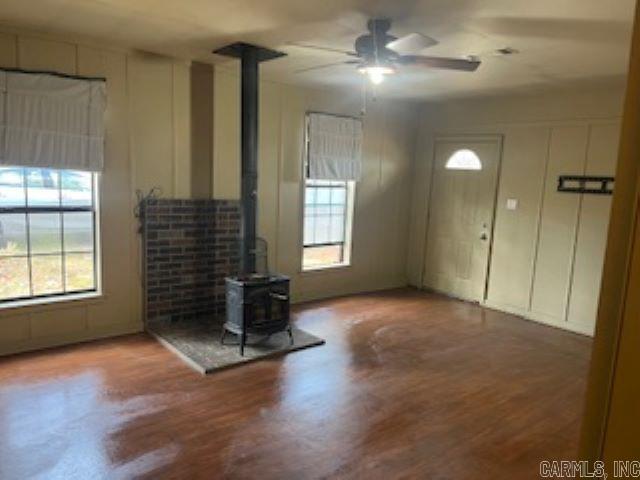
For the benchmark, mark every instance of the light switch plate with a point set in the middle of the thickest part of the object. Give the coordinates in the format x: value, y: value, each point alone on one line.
x: 512, y: 203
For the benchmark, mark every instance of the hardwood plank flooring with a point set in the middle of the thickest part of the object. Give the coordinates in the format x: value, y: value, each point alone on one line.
x: 409, y: 385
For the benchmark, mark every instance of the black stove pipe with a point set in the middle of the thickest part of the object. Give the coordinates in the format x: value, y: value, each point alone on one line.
x: 249, y: 146
x: 250, y: 57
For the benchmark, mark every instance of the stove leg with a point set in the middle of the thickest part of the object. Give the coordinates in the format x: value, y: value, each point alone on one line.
x: 243, y: 339
x: 290, y: 335
x: 222, y: 335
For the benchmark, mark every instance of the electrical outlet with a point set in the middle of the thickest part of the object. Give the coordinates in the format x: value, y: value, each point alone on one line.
x: 512, y: 203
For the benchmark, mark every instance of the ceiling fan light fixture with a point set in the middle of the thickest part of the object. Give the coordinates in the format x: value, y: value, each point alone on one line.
x: 376, y: 73
x: 377, y: 53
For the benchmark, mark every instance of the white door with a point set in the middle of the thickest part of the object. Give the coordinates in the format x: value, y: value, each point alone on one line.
x: 461, y: 207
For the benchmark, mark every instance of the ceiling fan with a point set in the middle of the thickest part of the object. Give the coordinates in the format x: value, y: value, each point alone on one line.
x: 377, y: 53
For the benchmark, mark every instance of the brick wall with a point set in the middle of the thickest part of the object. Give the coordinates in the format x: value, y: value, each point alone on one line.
x: 190, y: 246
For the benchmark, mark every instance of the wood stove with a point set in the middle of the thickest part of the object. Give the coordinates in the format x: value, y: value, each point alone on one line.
x: 256, y: 303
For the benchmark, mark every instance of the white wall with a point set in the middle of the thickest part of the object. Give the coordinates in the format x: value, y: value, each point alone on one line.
x: 147, y: 143
x: 382, y: 197
x: 547, y: 256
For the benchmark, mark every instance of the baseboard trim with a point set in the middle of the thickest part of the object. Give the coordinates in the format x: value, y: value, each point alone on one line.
x: 539, y: 318
x: 44, y: 343
x: 524, y: 314
x: 303, y: 296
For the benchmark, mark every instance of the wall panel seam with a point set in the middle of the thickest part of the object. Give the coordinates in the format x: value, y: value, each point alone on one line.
x: 536, y: 246
x: 574, y: 246
x: 494, y: 216
x: 429, y: 198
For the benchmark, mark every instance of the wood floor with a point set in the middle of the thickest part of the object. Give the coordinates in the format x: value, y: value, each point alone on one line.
x: 409, y: 385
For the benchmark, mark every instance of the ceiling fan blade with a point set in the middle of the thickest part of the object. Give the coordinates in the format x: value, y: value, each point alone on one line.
x: 324, y: 49
x: 327, y: 65
x: 461, y: 64
x: 412, y: 43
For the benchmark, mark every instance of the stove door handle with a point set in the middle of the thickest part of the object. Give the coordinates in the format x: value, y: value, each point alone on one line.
x: 279, y: 297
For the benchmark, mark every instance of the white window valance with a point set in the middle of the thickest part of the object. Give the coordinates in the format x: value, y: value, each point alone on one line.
x: 50, y: 121
x: 335, y: 147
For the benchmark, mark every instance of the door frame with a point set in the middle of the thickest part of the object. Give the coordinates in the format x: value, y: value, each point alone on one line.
x: 608, y: 428
x: 497, y: 138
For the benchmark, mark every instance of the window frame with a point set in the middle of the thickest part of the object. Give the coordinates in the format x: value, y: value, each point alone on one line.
x: 60, y: 209
x: 349, y: 213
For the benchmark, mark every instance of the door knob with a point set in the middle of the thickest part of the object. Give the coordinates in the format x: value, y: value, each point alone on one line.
x: 483, y: 236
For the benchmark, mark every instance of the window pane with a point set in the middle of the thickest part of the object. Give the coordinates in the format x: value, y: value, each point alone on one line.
x: 321, y: 210
x: 338, y: 196
x: 310, y: 211
x: 310, y: 196
x: 337, y: 229
x: 323, y: 195
x: 14, y: 277
x: 322, y: 256
x: 76, y: 188
x: 46, y: 274
x: 42, y: 187
x: 464, y: 159
x: 337, y: 209
x: 79, y: 271
x: 32, y: 262
x: 44, y: 231
x: 308, y: 230
x: 323, y: 224
x: 13, y: 234
x: 12, y: 187
x: 78, y: 232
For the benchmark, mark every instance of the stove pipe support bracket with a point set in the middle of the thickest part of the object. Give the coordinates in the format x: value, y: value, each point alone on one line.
x: 250, y: 57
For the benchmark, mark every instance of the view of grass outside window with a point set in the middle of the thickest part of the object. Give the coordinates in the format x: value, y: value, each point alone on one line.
x: 47, y: 232
x: 326, y: 224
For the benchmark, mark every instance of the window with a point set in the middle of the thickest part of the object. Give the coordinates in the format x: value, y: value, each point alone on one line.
x: 47, y: 232
x: 333, y: 164
x: 464, y: 160
x: 327, y: 223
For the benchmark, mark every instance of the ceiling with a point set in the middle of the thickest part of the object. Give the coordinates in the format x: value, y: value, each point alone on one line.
x: 561, y: 42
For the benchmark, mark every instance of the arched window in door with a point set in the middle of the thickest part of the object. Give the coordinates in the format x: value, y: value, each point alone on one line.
x: 464, y: 159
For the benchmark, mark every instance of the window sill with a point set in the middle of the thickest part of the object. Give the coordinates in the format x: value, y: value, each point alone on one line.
x: 47, y: 303
x: 326, y: 268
